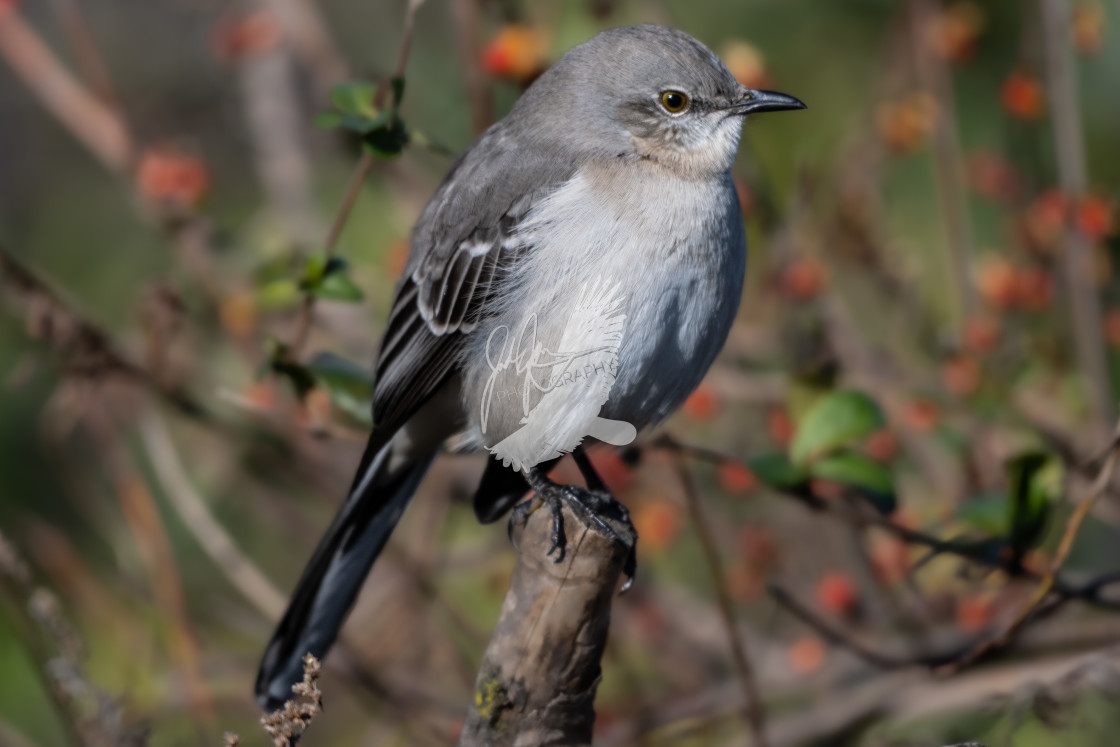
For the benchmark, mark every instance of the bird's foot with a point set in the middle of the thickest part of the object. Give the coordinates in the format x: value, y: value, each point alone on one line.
x: 597, y: 508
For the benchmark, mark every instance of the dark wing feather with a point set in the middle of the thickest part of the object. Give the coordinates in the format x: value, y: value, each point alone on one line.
x: 448, y: 291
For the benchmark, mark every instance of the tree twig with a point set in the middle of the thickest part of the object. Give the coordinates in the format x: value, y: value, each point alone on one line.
x: 1077, y: 260
x: 1046, y: 585
x: 87, y: 118
x: 87, y: 349
x: 193, y: 511
x: 307, y: 308
x: 753, y: 709
x: 948, y: 168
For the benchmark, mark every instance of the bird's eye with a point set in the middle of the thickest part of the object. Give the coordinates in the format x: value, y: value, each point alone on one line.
x: 674, y: 102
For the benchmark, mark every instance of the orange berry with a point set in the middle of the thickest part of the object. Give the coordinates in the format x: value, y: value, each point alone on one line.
x: 807, y: 654
x: 517, y: 53
x: 238, y: 312
x: 953, y: 34
x: 702, y: 404
x: 1094, y: 218
x: 992, y: 177
x: 882, y: 445
x: 905, y: 124
x: 837, y: 594
x: 974, y: 612
x: 1034, y: 289
x: 802, y: 279
x: 170, y: 178
x: 922, y: 415
x: 1112, y: 328
x: 745, y: 583
x: 735, y: 478
x: 996, y: 281
x: 658, y: 522
x: 890, y: 559
x: 757, y: 546
x: 981, y: 334
x: 746, y: 63
x: 1022, y: 96
x: 1046, y: 218
x: 252, y: 33
x: 779, y: 426
x: 960, y: 376
x: 1087, y: 27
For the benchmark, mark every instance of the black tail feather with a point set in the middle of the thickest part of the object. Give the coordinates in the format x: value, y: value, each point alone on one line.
x: 333, y: 577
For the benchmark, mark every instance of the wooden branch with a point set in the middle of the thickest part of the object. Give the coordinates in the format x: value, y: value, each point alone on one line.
x: 1077, y: 253
x: 89, y: 120
x: 537, y: 682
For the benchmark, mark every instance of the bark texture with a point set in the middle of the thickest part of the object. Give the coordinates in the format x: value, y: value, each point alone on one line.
x: 537, y: 682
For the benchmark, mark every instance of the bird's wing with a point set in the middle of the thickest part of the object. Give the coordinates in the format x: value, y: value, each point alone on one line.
x: 463, y: 245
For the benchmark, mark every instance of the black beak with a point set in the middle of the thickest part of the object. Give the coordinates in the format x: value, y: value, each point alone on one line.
x: 764, y: 101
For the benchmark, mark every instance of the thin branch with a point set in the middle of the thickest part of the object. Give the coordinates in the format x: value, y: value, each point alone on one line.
x: 307, y: 308
x: 157, y: 556
x: 93, y: 67
x: 947, y: 162
x: 838, y: 637
x: 753, y: 708
x: 88, y: 350
x: 242, y: 573
x: 478, y: 86
x: 1077, y: 258
x: 87, y: 118
x: 1046, y: 586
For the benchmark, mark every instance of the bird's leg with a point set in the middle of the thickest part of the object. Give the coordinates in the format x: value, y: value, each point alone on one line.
x: 597, y: 487
x: 595, y: 505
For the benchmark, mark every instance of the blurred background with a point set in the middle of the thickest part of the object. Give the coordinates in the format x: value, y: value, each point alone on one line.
x: 902, y: 455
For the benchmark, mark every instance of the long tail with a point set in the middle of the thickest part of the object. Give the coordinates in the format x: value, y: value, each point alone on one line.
x: 329, y: 585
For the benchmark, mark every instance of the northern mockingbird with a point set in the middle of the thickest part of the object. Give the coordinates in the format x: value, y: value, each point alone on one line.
x: 575, y: 275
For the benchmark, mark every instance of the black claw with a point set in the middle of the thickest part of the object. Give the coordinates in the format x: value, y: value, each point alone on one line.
x: 597, y: 506
x: 559, y: 541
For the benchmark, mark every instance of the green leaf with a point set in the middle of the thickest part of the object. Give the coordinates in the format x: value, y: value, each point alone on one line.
x: 350, y: 386
x: 777, y: 471
x: 325, y: 277
x: 834, y: 421
x: 327, y: 120
x: 314, y: 270
x: 365, y: 125
x: 1030, y: 487
x: 355, y: 97
x: 861, y: 474
x: 387, y: 140
x: 337, y: 286
x: 278, y: 294
x: 987, y: 513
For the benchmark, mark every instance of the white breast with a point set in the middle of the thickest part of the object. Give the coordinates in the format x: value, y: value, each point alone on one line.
x: 675, y: 251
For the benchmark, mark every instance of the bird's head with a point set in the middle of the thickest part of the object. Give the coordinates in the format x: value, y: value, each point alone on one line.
x: 649, y: 92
